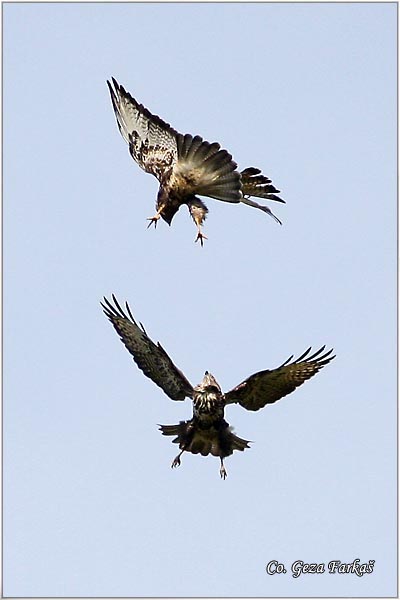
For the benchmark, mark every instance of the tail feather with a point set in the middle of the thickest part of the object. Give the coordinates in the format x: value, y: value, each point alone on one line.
x: 170, y: 430
x: 207, y: 151
x: 217, y: 439
x: 236, y: 442
x: 209, y: 170
x: 187, y: 143
x: 217, y: 159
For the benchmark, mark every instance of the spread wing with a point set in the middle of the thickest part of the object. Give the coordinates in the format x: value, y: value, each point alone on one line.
x: 266, y: 387
x: 256, y: 184
x: 152, y: 142
x: 151, y: 358
x: 188, y: 163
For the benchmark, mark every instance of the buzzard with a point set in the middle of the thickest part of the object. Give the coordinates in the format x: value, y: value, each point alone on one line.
x: 185, y: 165
x: 207, y: 432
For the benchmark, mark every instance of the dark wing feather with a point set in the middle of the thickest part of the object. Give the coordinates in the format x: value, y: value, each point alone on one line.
x: 152, y: 142
x: 266, y: 387
x: 151, y: 358
x: 256, y: 184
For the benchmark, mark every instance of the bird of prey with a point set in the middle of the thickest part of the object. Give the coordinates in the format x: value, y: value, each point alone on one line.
x: 185, y: 165
x: 207, y: 432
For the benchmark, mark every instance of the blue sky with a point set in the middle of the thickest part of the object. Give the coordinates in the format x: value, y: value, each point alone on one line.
x: 307, y: 93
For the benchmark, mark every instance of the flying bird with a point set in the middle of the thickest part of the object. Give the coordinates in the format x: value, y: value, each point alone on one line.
x: 185, y: 165
x: 207, y: 432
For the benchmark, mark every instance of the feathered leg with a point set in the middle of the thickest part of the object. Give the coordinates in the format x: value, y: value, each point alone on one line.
x: 198, y: 211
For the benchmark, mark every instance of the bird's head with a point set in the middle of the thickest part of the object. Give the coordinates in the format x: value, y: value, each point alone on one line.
x: 168, y: 208
x: 168, y: 213
x: 209, y: 383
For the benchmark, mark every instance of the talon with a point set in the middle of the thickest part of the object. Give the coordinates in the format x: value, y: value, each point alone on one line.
x: 153, y: 220
x: 201, y: 237
x: 222, y: 471
x: 176, y: 462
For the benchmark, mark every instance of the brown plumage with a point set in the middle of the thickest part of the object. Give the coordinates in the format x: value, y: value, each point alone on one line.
x: 185, y: 165
x: 207, y: 432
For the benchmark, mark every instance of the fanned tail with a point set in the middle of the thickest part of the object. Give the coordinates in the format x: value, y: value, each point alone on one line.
x: 209, y: 170
x: 216, y: 439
